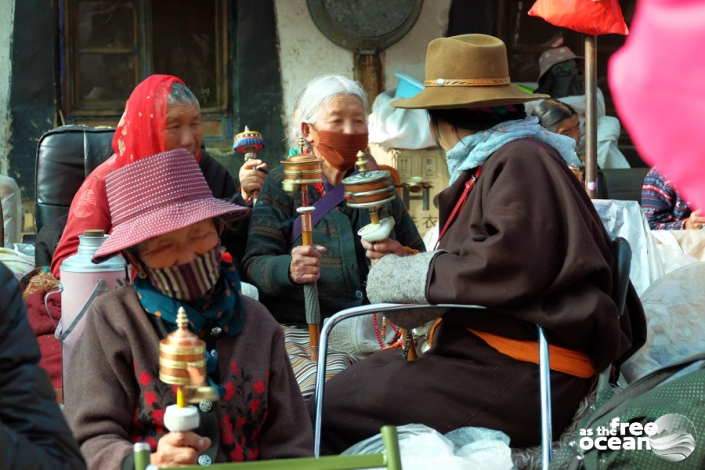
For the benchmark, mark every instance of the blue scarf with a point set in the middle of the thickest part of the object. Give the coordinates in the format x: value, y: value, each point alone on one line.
x: 474, y: 149
x: 223, y: 303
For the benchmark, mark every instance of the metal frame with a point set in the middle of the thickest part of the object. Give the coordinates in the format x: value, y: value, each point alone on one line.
x: 544, y: 370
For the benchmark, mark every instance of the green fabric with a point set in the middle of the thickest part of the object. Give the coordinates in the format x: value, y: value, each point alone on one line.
x: 644, y: 401
x: 344, y: 266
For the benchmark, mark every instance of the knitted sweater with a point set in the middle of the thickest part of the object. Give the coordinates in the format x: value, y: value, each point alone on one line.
x: 113, y: 395
x: 662, y: 206
x: 343, y: 266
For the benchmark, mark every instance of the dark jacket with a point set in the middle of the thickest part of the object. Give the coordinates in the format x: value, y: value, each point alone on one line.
x: 33, y: 432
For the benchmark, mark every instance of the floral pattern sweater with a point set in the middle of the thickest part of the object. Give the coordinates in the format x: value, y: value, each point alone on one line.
x: 113, y: 395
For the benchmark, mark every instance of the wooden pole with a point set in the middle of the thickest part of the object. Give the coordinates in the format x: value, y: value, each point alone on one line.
x: 591, y: 115
x: 368, y: 71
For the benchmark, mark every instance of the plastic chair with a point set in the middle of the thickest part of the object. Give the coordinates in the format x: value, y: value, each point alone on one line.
x: 622, y: 253
x: 389, y: 459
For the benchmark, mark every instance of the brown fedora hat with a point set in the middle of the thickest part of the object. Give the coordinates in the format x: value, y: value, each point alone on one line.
x: 468, y: 71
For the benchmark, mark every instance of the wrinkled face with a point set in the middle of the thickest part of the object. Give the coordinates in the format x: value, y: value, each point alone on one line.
x: 183, y: 128
x: 571, y: 128
x: 342, y: 113
x: 178, y: 247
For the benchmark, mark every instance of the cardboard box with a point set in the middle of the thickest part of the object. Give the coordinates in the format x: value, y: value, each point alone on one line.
x: 424, y: 174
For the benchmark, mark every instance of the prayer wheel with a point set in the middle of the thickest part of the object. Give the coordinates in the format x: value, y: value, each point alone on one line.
x: 301, y: 169
x: 180, y: 351
x: 369, y: 190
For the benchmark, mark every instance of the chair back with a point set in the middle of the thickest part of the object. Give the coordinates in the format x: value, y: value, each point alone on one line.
x: 620, y: 274
x: 621, y: 183
x: 66, y: 155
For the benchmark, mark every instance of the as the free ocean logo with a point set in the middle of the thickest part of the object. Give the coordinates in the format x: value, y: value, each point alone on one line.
x: 671, y: 437
x: 675, y: 439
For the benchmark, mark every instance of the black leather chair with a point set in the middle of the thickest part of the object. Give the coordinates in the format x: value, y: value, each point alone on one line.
x: 623, y: 184
x: 65, y: 156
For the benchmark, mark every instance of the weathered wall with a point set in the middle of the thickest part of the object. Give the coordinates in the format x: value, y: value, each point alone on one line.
x: 306, y: 53
x: 32, y: 88
x: 7, y: 13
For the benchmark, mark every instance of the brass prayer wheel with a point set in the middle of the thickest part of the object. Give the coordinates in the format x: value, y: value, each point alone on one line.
x: 301, y: 169
x: 179, y: 351
x: 368, y: 189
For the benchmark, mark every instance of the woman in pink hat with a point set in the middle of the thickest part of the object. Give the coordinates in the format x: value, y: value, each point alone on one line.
x: 169, y: 231
x: 161, y: 114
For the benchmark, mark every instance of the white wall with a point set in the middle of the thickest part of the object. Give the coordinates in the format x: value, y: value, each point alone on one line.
x: 7, y: 14
x: 306, y: 53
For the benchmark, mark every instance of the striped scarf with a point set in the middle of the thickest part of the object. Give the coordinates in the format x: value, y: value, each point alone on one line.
x: 222, y: 303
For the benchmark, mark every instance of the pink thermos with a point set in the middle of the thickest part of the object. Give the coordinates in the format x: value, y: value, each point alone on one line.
x: 82, y: 281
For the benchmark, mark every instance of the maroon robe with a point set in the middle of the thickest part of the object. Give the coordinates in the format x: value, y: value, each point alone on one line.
x: 529, y: 246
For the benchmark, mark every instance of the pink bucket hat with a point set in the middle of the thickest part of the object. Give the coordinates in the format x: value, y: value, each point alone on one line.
x: 158, y: 195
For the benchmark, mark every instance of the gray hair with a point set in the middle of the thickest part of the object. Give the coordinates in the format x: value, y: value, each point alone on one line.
x: 316, y: 95
x: 180, y: 94
x: 551, y: 113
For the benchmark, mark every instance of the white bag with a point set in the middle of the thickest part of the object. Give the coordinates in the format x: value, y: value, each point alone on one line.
x: 398, y: 128
x: 11, y: 199
x: 423, y: 448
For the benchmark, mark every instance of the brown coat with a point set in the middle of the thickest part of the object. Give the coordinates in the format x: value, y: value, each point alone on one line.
x: 114, y: 397
x: 529, y: 246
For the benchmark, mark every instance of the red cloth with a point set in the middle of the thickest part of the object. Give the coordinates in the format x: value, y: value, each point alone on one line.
x: 44, y: 326
x: 140, y: 133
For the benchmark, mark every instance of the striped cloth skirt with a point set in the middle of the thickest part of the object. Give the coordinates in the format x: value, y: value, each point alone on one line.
x: 297, y: 346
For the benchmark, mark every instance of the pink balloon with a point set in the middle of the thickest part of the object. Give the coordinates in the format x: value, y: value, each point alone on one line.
x: 658, y: 84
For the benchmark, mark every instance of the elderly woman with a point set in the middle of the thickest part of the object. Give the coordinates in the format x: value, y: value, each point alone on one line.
x: 559, y: 118
x: 170, y: 233
x: 332, y: 119
x: 161, y: 114
x: 665, y: 208
x: 519, y: 236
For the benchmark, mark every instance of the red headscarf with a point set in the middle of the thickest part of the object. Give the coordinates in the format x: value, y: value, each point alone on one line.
x: 140, y: 132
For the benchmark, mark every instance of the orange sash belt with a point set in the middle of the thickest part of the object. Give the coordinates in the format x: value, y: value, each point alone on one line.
x: 562, y: 360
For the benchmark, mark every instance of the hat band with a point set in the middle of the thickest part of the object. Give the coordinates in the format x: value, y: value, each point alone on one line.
x: 467, y: 82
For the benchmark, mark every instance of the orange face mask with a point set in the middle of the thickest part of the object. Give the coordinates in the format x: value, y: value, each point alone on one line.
x: 339, y: 149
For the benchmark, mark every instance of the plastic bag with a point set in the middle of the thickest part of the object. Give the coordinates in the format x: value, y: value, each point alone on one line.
x: 591, y: 17
x: 11, y: 199
x: 675, y: 330
x: 398, y: 128
x: 423, y: 448
x: 17, y: 262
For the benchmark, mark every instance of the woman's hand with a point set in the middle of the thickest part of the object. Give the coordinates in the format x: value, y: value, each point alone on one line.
x: 179, y: 448
x: 695, y: 221
x: 376, y: 250
x: 251, y: 177
x: 305, y: 264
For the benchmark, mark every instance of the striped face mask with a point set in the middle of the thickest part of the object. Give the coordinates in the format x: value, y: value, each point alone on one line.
x: 190, y: 281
